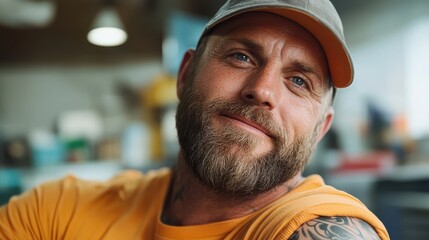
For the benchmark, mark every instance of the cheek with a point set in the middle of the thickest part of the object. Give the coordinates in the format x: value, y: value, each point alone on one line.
x: 215, y: 82
x: 300, y: 117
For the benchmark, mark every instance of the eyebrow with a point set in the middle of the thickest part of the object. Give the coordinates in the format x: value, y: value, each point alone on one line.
x: 249, y: 43
x: 245, y: 42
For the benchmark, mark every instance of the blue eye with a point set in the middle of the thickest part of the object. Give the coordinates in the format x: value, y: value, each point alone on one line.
x: 298, y: 81
x: 242, y: 57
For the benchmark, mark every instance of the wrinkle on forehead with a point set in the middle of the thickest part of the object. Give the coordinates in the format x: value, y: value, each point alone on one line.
x: 257, y: 20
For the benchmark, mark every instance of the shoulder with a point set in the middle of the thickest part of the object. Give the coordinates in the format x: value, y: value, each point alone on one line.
x: 70, y: 201
x: 335, y: 228
x: 71, y: 190
x: 125, y: 182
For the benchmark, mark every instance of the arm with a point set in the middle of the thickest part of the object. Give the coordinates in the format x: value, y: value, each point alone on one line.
x: 335, y: 228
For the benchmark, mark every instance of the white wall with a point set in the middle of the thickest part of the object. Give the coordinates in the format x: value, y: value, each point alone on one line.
x: 31, y: 97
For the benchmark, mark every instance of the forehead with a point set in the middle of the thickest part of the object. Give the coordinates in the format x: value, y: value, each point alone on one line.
x: 269, y: 21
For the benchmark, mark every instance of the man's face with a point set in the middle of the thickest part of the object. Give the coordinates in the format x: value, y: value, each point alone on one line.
x: 254, y: 105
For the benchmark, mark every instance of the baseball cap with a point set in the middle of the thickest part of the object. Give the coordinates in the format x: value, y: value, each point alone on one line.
x: 319, y: 17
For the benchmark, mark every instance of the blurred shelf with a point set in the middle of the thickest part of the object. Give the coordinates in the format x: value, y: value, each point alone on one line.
x: 99, y: 170
x: 407, y: 172
x: 411, y: 200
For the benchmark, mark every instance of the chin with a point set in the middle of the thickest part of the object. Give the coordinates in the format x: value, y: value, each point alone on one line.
x: 250, y: 154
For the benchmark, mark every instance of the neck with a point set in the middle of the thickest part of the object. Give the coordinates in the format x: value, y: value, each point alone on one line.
x: 190, y: 203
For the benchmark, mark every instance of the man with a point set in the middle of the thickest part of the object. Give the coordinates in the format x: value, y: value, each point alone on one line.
x: 255, y: 98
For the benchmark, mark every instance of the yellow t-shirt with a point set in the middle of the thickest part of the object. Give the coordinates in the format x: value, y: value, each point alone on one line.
x: 129, y: 207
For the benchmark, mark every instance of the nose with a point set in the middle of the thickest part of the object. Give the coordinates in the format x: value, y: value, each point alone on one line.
x: 261, y: 88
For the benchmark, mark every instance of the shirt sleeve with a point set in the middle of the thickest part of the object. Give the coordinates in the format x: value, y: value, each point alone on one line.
x: 19, y: 219
x: 34, y: 214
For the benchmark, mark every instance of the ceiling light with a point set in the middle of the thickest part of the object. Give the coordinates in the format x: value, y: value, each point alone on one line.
x: 107, y: 30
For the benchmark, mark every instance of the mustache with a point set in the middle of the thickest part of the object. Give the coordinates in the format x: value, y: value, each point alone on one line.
x: 258, y: 115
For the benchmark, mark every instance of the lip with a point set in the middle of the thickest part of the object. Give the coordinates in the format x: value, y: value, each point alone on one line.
x: 250, y: 124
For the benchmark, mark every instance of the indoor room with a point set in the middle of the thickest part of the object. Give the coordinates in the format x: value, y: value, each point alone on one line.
x: 88, y: 88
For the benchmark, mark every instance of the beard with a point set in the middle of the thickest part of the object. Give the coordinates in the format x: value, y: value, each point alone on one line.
x: 222, y: 158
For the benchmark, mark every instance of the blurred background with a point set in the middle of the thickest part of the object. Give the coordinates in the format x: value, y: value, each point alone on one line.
x: 72, y: 102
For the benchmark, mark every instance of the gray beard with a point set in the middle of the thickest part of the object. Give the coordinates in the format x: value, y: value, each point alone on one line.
x: 222, y: 160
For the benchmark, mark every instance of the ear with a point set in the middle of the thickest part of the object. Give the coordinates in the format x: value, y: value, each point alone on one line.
x: 326, y: 124
x: 184, y: 68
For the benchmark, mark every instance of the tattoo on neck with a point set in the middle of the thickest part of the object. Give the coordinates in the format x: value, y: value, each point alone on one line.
x: 178, y: 195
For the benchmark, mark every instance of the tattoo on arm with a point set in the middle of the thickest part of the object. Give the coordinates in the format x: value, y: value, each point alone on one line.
x: 335, y: 228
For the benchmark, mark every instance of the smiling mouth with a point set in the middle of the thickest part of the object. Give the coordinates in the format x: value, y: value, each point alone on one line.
x: 247, y: 124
